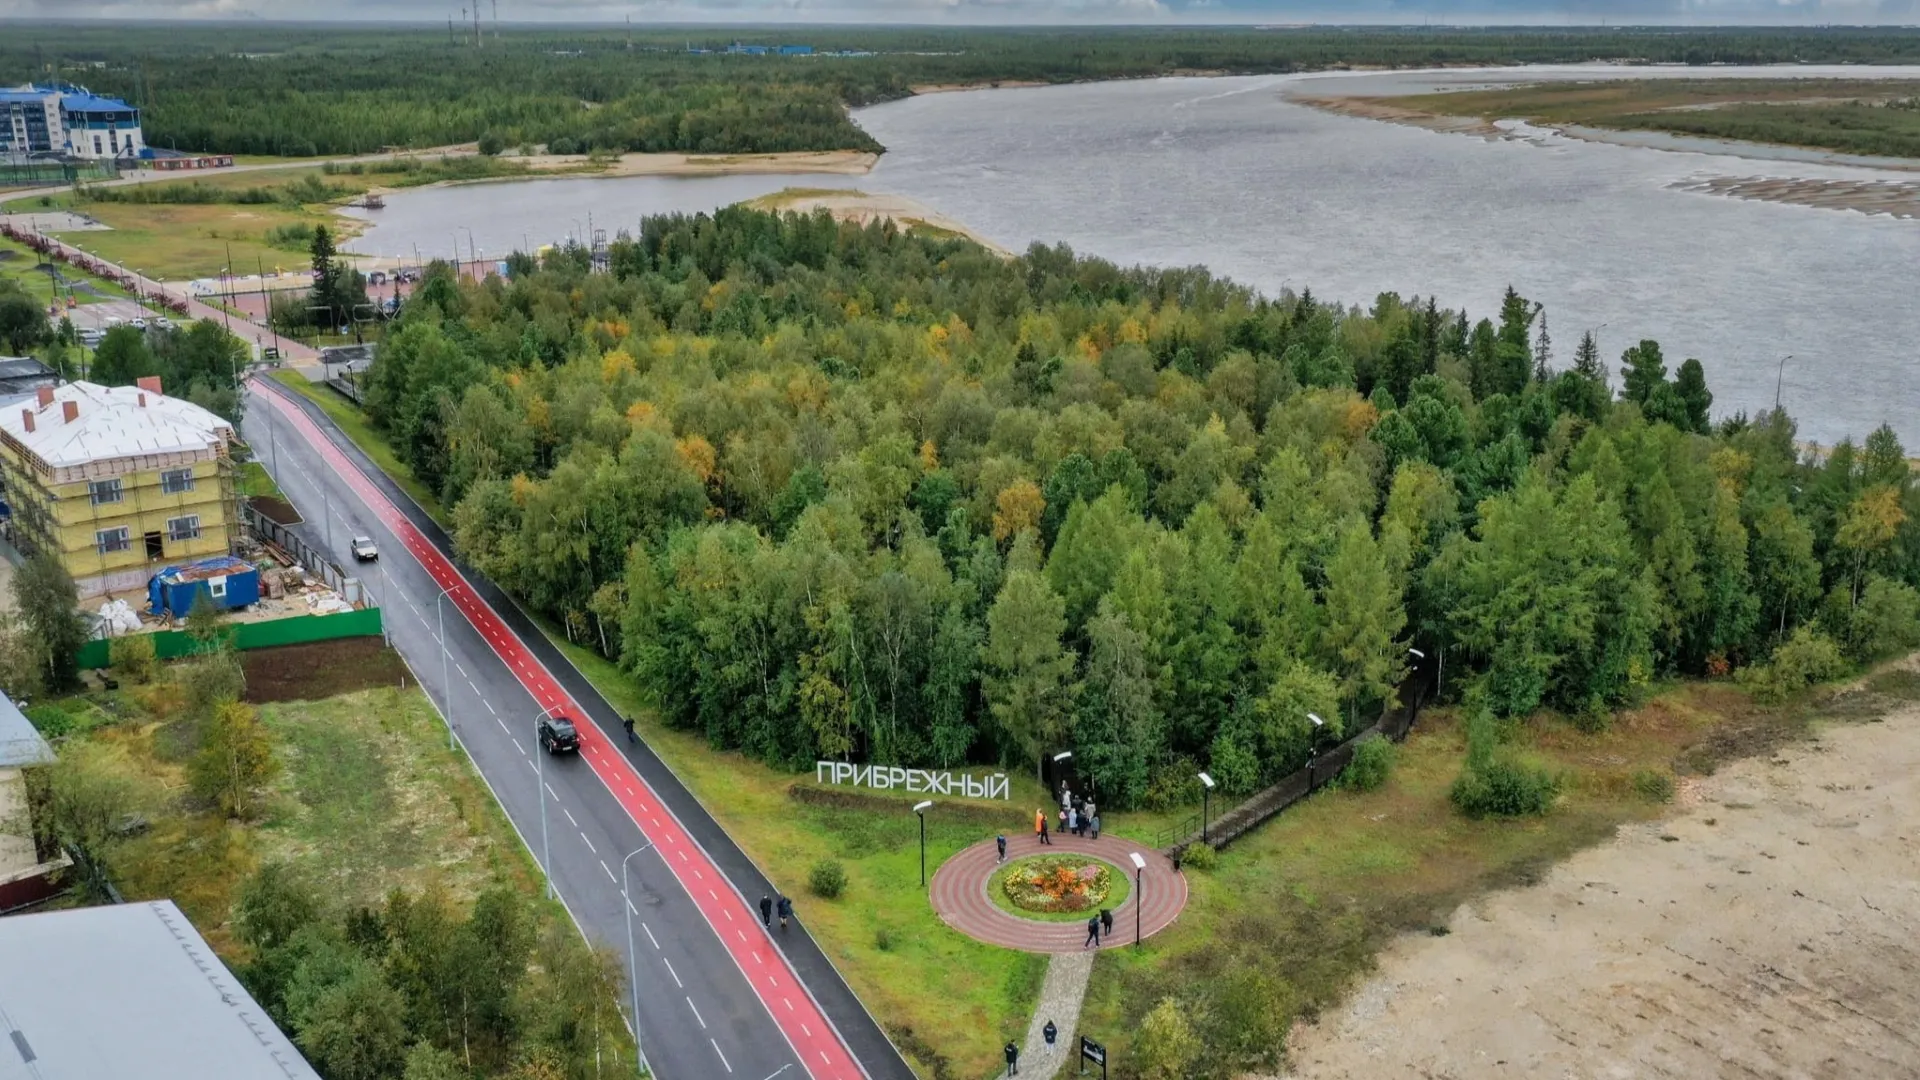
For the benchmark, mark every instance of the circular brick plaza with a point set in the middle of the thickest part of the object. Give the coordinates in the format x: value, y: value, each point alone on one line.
x: 959, y: 894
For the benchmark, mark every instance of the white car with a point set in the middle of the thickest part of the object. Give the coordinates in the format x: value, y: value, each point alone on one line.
x: 161, y: 322
x: 138, y: 323
x: 90, y: 336
x: 364, y: 549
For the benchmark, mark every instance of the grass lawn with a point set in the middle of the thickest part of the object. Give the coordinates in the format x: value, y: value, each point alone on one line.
x: 171, y: 242
x: 17, y: 262
x: 252, y: 479
x: 368, y: 798
x: 1117, y: 888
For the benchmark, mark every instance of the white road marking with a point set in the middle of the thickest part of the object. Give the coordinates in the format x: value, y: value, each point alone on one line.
x: 696, y: 874
x: 590, y: 846
x: 729, y: 912
x: 823, y: 1057
x: 516, y: 744
x: 631, y: 908
x: 603, y: 864
x: 723, y: 1057
x: 696, y: 1014
x: 713, y: 895
x: 475, y: 689
x: 743, y: 936
x: 572, y: 822
x: 643, y: 926
x: 683, y: 856
x: 804, y: 1030
x: 788, y: 1002
x: 670, y: 971
x: 550, y: 791
x: 458, y: 668
x: 489, y: 706
x: 503, y: 725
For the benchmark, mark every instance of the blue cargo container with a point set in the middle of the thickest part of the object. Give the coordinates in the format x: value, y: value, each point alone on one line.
x: 226, y: 581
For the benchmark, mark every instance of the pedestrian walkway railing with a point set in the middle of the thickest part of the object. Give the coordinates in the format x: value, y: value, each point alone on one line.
x: 1394, y: 723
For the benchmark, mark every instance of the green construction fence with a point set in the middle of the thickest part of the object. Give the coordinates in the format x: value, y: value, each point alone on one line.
x: 293, y: 630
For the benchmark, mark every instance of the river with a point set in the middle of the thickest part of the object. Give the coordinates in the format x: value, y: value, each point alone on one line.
x: 1228, y: 173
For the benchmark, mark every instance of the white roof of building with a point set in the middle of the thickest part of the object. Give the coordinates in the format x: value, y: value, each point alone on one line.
x: 111, y: 422
x: 20, y: 743
x: 129, y: 990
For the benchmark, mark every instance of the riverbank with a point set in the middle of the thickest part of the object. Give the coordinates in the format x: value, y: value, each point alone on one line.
x: 863, y: 208
x: 834, y: 162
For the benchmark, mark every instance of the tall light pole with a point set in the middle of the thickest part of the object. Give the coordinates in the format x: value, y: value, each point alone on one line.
x: 446, y: 688
x: 633, y: 966
x: 1777, y: 377
x: 1418, y: 656
x: 1206, y: 797
x: 920, y: 811
x: 1057, y: 759
x: 1139, y: 893
x: 546, y: 851
x: 1313, y: 747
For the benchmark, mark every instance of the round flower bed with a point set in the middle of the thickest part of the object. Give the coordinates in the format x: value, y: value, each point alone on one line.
x: 1057, y: 887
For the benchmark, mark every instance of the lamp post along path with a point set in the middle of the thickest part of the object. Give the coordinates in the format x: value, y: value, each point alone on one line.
x: 633, y: 966
x: 920, y: 811
x: 1139, y: 894
x: 1206, y: 798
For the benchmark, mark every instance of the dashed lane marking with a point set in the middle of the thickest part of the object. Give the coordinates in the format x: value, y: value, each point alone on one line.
x: 603, y: 865
x: 696, y: 1014
x: 650, y: 937
x: 572, y: 822
x: 675, y: 974
x: 723, y: 1057
x: 590, y: 846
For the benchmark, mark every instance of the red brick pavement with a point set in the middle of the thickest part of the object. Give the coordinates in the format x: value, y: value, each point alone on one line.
x: 959, y: 895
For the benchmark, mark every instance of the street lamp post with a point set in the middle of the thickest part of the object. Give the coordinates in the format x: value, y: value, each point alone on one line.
x: 540, y: 755
x: 1057, y: 759
x: 920, y: 811
x: 1417, y: 655
x: 1313, y: 747
x: 1777, y: 377
x: 1139, y: 895
x: 446, y: 688
x: 633, y: 965
x: 1206, y: 797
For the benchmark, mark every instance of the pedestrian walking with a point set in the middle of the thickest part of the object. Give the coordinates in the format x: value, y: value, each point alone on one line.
x: 1073, y: 822
x: 1044, y: 838
x: 1001, y: 843
x: 766, y: 911
x: 1089, y: 810
x: 785, y: 907
x: 1093, y: 933
x: 1063, y: 822
x: 627, y: 722
x: 1096, y: 826
x: 1039, y: 822
x: 1106, y: 921
x: 1013, y: 1059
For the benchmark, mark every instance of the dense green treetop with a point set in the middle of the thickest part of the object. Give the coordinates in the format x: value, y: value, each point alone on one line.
x: 834, y: 491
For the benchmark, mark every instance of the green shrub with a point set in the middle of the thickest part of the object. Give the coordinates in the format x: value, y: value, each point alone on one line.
x: 51, y: 721
x: 1804, y: 659
x: 1199, y: 856
x: 1371, y: 765
x: 1504, y: 788
x: 1885, y: 621
x: 1653, y: 785
x: 492, y: 143
x: 827, y: 879
x: 133, y: 657
x: 883, y: 939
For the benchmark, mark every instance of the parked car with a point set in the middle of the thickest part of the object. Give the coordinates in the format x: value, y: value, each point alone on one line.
x: 557, y: 735
x: 161, y: 322
x: 90, y: 336
x: 139, y: 323
x: 364, y: 549
x: 377, y: 277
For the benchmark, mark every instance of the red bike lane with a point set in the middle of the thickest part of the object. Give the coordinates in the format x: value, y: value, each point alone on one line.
x: 794, y: 1012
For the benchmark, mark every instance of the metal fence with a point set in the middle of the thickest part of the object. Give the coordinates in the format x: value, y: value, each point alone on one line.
x: 1394, y: 723
x: 37, y: 173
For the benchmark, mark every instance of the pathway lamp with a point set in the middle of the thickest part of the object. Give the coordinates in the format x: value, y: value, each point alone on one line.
x: 446, y: 687
x: 1777, y: 376
x: 1139, y: 897
x: 920, y: 811
x: 546, y: 851
x: 1206, y: 797
x: 1313, y: 747
x: 1057, y: 759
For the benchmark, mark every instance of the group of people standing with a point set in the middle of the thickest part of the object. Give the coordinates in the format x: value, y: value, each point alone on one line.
x: 1077, y: 816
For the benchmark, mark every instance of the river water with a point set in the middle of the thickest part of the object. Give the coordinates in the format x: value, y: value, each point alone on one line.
x: 1228, y: 173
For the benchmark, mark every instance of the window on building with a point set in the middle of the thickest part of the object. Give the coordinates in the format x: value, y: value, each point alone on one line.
x: 111, y: 540
x: 102, y: 492
x: 175, y: 481
x: 184, y: 528
x: 96, y: 146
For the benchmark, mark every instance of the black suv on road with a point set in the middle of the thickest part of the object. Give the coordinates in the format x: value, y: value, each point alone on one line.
x: 557, y: 735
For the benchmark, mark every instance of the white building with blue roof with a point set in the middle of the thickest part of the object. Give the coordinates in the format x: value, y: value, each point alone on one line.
x: 68, y: 121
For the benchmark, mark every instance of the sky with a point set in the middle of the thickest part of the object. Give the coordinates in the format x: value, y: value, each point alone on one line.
x: 1029, y: 12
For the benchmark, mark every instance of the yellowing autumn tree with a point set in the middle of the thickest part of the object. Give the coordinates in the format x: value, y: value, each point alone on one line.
x: 1018, y: 507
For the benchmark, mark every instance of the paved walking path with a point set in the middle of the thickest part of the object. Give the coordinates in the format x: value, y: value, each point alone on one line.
x: 1060, y: 997
x: 959, y: 895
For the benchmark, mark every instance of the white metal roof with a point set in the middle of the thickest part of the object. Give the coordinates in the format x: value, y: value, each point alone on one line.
x: 111, y: 422
x: 20, y: 744
x: 129, y: 990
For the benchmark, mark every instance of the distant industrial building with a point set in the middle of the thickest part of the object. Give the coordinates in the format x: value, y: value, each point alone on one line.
x: 68, y: 121
x: 130, y: 990
x: 117, y: 481
x: 741, y: 48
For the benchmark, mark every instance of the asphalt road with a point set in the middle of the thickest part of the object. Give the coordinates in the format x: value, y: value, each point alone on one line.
x: 718, y: 995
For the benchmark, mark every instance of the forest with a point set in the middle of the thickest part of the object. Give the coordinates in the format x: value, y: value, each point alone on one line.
x: 828, y: 491
x: 301, y: 90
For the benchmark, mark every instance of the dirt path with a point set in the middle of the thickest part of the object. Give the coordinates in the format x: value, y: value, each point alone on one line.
x: 1766, y: 929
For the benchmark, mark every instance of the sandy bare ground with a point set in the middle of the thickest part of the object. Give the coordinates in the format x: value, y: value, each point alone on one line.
x: 839, y: 162
x: 862, y: 207
x: 1766, y: 929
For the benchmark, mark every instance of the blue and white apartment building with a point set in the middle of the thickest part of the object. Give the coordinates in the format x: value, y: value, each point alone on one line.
x: 67, y: 121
